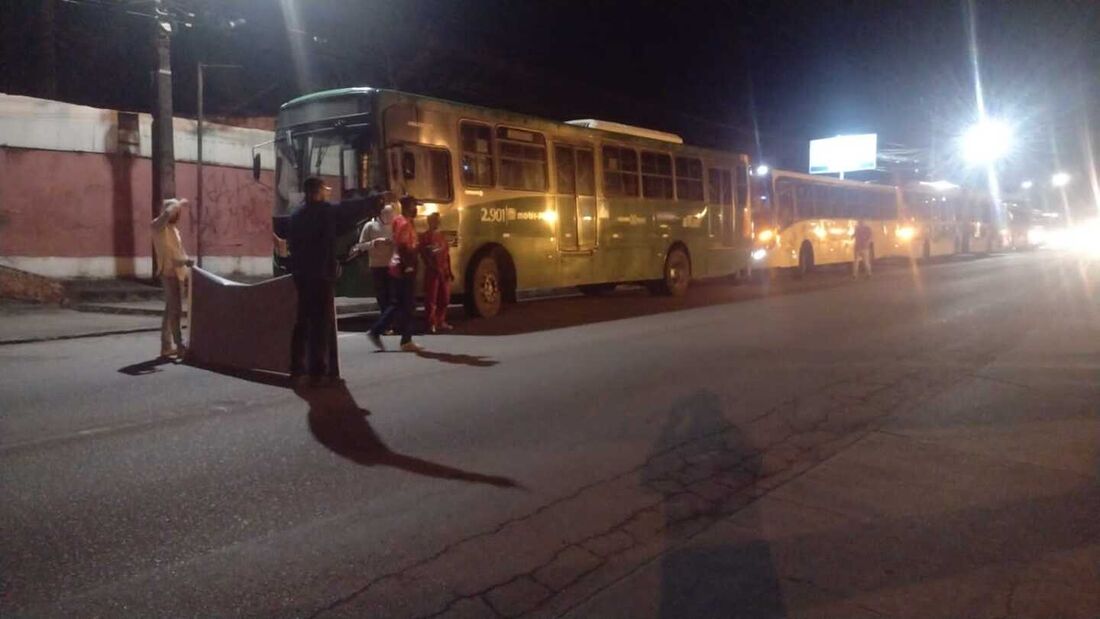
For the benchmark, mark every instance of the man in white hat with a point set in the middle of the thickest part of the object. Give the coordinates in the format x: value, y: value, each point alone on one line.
x: 171, y: 266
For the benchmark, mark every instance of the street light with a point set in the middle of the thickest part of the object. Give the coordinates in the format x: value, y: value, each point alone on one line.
x: 1060, y: 179
x: 762, y: 170
x: 987, y: 141
x: 1026, y: 185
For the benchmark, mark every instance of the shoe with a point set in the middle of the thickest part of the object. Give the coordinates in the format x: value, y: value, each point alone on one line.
x: 447, y: 327
x: 390, y: 332
x: 169, y: 352
x: 411, y: 347
x: 432, y: 329
x: 376, y: 340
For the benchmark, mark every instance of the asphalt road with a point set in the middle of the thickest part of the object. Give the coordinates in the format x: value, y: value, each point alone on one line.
x: 922, y: 444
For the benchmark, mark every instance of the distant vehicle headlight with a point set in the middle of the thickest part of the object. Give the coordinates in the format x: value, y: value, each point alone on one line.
x: 1036, y: 236
x: 759, y: 254
x: 765, y: 235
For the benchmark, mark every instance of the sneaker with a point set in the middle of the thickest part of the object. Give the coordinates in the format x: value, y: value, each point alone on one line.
x: 411, y: 347
x: 376, y: 340
x: 432, y: 329
x: 390, y: 332
x: 169, y: 352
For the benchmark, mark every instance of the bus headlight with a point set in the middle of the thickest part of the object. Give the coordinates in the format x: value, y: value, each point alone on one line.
x: 906, y: 233
x: 765, y: 235
x: 759, y: 254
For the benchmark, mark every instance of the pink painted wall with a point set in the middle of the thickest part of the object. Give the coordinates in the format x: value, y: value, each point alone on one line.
x: 69, y: 204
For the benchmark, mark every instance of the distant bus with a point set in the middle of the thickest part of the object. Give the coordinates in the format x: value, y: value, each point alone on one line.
x: 526, y: 203
x: 938, y: 217
x: 953, y: 221
x: 810, y: 221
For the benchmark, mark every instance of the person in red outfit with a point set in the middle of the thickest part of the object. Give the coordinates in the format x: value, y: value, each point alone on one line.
x: 437, y: 275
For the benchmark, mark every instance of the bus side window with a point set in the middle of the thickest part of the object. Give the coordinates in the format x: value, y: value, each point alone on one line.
x: 785, y: 195
x: 620, y: 171
x: 477, y: 154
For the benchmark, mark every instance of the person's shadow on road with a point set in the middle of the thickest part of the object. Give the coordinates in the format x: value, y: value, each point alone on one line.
x: 151, y: 366
x: 476, y: 361
x: 340, y: 424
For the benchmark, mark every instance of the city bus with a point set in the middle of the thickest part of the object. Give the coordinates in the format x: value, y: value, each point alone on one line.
x: 810, y: 220
x: 526, y: 203
x: 937, y: 216
x: 951, y: 220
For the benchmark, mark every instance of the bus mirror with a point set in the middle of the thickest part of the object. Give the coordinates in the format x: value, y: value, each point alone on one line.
x: 408, y: 166
x: 256, y: 166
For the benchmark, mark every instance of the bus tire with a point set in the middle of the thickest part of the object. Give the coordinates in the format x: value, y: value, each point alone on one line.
x: 805, y: 260
x: 485, y: 288
x: 597, y: 290
x: 676, y: 276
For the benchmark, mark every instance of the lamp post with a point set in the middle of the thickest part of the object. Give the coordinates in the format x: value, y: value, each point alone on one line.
x: 198, y: 158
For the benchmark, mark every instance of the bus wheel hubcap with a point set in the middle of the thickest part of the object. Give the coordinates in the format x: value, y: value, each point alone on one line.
x: 489, y: 289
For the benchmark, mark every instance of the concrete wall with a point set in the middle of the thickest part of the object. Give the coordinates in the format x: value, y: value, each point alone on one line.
x: 72, y: 205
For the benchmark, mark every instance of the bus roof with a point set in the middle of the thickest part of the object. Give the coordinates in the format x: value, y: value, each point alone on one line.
x: 827, y: 180
x: 613, y: 129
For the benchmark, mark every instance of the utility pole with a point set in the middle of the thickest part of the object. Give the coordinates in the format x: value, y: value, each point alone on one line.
x: 164, y: 164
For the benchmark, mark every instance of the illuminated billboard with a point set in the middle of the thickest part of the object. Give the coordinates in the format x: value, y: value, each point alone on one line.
x: 844, y: 153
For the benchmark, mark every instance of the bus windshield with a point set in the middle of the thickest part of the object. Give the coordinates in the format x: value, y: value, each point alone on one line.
x: 342, y: 158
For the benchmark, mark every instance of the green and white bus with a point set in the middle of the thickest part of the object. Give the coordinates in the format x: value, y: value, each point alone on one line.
x: 526, y: 203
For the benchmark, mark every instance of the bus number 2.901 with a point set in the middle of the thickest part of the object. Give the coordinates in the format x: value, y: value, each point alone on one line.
x: 494, y: 215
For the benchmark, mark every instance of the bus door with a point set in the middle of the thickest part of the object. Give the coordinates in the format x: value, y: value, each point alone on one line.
x: 575, y: 171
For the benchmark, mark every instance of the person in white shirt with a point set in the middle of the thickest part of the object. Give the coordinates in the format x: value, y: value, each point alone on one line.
x: 172, y: 266
x: 376, y: 239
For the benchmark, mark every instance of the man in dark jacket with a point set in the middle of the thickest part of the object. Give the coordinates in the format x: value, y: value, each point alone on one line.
x: 312, y: 230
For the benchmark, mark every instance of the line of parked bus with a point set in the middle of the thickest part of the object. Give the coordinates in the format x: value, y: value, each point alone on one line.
x: 801, y: 220
x: 529, y: 203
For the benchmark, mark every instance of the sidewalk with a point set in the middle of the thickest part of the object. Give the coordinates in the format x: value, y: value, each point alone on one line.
x: 29, y: 322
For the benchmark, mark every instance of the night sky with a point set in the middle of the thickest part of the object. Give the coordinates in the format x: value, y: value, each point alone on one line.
x: 711, y: 71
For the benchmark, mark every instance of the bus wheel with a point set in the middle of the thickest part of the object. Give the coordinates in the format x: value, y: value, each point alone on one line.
x: 596, y: 290
x: 805, y: 260
x: 485, y: 290
x: 677, y: 274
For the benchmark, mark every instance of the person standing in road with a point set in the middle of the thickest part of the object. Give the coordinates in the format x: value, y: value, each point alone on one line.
x: 376, y: 239
x: 310, y: 240
x: 172, y: 268
x: 437, y: 275
x: 862, y: 247
x: 403, y: 267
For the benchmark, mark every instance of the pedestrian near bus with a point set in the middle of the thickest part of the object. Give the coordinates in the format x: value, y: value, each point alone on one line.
x: 376, y: 239
x: 172, y: 267
x: 435, y: 251
x: 311, y: 234
x: 862, y: 247
x: 403, y: 268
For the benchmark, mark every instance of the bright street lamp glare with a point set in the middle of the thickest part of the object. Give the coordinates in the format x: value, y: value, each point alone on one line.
x: 762, y: 170
x: 1060, y: 179
x: 987, y: 141
x: 1026, y: 185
